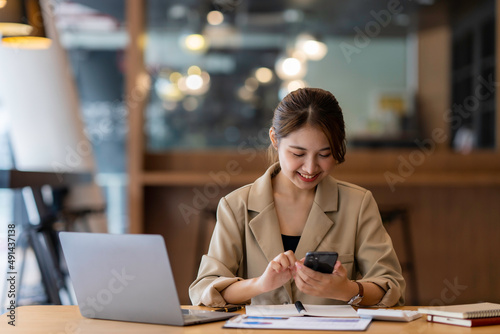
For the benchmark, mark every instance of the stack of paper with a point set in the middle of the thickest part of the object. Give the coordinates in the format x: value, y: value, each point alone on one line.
x: 310, y: 323
x: 316, y: 317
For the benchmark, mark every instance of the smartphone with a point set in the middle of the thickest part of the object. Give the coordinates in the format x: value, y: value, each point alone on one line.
x: 323, y: 262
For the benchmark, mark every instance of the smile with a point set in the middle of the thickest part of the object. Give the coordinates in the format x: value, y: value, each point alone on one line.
x: 308, y: 178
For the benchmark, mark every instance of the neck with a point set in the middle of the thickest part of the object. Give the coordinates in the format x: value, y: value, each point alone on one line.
x: 283, y: 186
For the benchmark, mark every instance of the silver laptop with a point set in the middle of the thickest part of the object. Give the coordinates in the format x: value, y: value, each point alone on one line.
x: 127, y: 277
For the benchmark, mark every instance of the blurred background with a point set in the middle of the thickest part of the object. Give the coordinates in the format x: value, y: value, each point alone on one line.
x: 138, y: 116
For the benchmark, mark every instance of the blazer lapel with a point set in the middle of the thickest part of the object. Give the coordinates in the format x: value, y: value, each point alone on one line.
x: 265, y: 226
x: 266, y: 230
x: 318, y: 223
x: 317, y: 226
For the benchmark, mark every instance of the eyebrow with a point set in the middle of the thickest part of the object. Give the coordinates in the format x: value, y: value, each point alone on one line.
x: 304, y: 149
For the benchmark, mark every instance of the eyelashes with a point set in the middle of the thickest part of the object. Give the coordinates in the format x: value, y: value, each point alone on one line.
x: 320, y: 155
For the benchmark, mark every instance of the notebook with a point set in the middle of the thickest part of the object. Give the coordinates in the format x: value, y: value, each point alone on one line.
x: 127, y: 277
x: 464, y: 322
x: 464, y: 311
x: 289, y: 310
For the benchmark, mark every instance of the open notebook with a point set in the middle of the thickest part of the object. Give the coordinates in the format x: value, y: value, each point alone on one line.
x: 290, y: 310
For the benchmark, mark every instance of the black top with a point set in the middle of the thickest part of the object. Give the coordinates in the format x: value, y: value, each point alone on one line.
x: 290, y: 242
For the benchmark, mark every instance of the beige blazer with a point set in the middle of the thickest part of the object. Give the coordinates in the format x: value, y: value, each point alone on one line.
x: 344, y: 218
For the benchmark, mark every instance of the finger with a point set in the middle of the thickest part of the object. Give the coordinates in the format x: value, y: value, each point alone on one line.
x: 303, y: 285
x: 337, y: 265
x: 287, y: 259
x: 311, y: 272
x: 283, y: 260
x: 308, y: 275
x: 276, y: 266
x: 339, y: 269
x: 291, y: 258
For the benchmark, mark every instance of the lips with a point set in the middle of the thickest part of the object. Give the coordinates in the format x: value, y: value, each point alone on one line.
x: 308, y: 178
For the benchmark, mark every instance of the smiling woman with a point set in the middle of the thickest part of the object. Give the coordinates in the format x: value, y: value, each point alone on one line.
x: 249, y: 259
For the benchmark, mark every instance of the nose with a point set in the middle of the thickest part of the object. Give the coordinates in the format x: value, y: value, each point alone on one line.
x: 310, y: 165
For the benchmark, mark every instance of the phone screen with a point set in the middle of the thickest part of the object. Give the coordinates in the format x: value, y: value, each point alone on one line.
x: 323, y: 262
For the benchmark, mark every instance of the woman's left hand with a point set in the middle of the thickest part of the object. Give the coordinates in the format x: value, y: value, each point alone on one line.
x: 335, y: 285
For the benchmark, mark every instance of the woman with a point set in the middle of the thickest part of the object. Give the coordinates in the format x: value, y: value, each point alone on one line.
x: 264, y: 228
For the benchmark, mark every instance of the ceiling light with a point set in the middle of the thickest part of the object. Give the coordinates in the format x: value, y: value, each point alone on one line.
x: 315, y: 50
x: 311, y: 47
x: 264, y: 75
x: 27, y: 42
x: 195, y: 43
x: 194, y: 70
x: 174, y: 77
x: 194, y: 82
x: 290, y: 86
x: 15, y: 29
x: 168, y: 91
x: 3, y: 3
x: 251, y: 84
x: 295, y: 84
x: 245, y: 95
x: 215, y: 18
x: 290, y: 68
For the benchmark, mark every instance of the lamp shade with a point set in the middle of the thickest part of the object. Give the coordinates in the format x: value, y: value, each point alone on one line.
x: 39, y: 96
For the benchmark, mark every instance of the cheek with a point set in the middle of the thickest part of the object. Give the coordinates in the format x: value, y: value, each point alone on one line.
x: 327, y: 165
x: 288, y: 164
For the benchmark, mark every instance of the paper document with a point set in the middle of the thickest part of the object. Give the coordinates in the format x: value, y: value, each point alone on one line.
x: 310, y: 323
x: 289, y: 310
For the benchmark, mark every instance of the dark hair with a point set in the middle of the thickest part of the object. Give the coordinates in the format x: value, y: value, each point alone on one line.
x: 316, y: 107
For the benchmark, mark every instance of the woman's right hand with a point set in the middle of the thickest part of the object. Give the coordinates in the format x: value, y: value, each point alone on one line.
x: 279, y: 271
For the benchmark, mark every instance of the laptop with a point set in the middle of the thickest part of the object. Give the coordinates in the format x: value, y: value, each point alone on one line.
x: 127, y: 277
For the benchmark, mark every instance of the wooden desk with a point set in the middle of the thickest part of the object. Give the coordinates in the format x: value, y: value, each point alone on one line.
x: 67, y: 320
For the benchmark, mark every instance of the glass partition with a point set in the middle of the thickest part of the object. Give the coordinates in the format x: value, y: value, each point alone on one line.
x: 219, y: 68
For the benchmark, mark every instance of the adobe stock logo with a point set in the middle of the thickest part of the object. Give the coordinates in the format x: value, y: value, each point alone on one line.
x: 449, y: 293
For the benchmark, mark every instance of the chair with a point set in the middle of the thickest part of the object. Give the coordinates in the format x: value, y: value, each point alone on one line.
x: 206, y: 224
x: 397, y: 223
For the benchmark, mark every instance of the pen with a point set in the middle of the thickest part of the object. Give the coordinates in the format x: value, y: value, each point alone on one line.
x: 300, y: 307
x: 229, y: 308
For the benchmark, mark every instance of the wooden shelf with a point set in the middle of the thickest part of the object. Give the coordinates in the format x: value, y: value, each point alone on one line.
x: 410, y: 167
x: 190, y: 179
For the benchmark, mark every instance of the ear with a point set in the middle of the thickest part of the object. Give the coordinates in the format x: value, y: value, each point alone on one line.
x: 272, y: 136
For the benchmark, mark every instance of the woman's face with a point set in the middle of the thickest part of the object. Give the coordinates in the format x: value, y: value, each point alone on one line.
x: 305, y: 156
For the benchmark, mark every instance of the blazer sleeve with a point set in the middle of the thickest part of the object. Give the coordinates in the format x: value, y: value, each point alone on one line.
x: 220, y: 266
x: 376, y: 259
